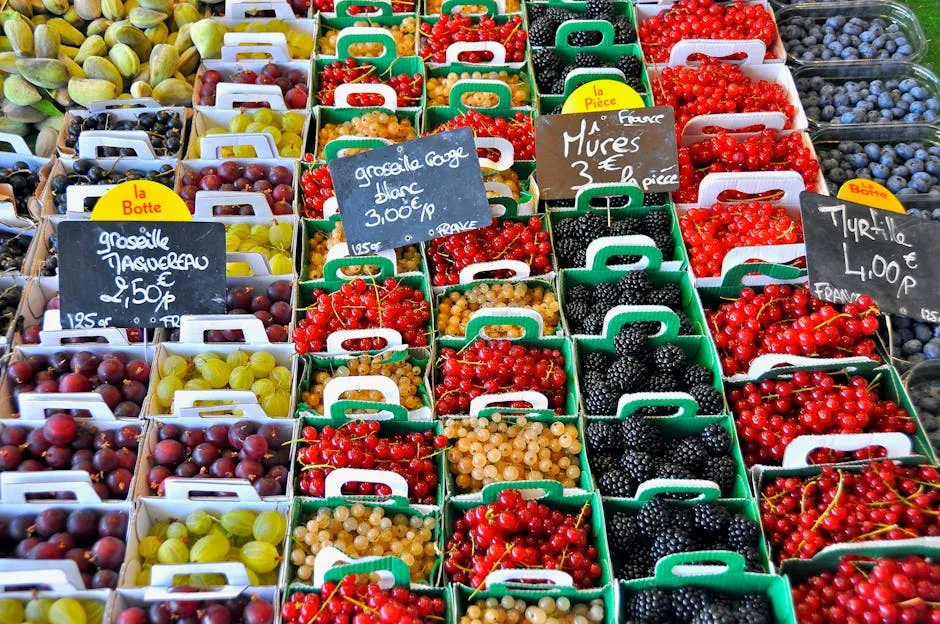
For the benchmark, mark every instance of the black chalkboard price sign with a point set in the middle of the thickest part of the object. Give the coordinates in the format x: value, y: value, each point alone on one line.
x: 631, y: 146
x: 410, y: 192
x: 139, y: 273
x: 853, y: 250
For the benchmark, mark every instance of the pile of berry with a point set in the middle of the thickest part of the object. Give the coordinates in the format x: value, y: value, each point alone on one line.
x: 715, y: 87
x: 551, y: 71
x: 560, y: 610
x: 252, y: 610
x: 586, y: 306
x: 456, y: 308
x: 357, y: 602
x: 63, y: 443
x: 439, y: 88
x: 316, y: 186
x: 838, y: 37
x: 926, y: 399
x: 514, y: 533
x: 88, y: 172
x: 13, y: 248
x: 771, y: 414
x: 573, y: 235
x: 544, y: 21
x: 880, y: 501
x: 790, y: 320
x: 908, y: 169
x: 407, y: 258
x: 705, y: 19
x: 518, y: 130
x: 293, y: 85
x: 627, y: 453
x: 361, y: 304
x: 864, y: 101
x: 408, y: 88
x: 499, y: 366
x: 374, y: 124
x: 9, y: 302
x: 767, y: 151
x: 23, y: 182
x: 693, y: 605
x: 403, y: 33
x: 276, y: 183
x: 524, y: 241
x: 710, y: 233
x: 448, y: 29
x: 897, y: 590
x: 362, y: 444
x: 164, y: 128
x: 661, y: 528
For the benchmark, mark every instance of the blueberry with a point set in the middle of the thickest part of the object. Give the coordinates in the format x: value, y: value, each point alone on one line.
x: 921, y: 154
x: 879, y: 171
x: 873, y: 151
x: 932, y: 349
x: 896, y: 183
x: 904, y: 150
x: 914, y: 165
x: 935, y: 215
x: 858, y: 160
x: 888, y: 160
x: 920, y: 92
x: 933, y: 104
x: 923, y: 332
x: 849, y: 117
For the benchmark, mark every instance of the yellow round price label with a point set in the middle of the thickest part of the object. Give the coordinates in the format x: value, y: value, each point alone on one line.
x: 602, y: 95
x: 141, y: 200
x: 869, y: 193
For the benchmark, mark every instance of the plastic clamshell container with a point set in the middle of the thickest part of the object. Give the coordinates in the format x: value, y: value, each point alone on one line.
x: 840, y: 73
x: 230, y: 94
x: 202, y: 145
x: 892, y: 12
x: 887, y: 134
x: 177, y: 505
x: 754, y: 49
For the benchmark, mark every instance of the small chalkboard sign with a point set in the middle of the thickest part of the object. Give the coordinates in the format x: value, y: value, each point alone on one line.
x: 633, y: 146
x: 410, y: 192
x: 853, y: 250
x: 139, y: 273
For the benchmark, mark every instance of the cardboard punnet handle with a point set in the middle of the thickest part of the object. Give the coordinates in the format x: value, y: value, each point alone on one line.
x: 773, y: 254
x: 390, y: 570
x: 490, y: 7
x: 75, y: 196
x: 240, y: 10
x: 465, y: 86
x: 342, y: 93
x: 257, y: 264
x: 16, y: 486
x: 336, y: 147
x: 141, y: 103
x: 210, y: 146
x: 138, y: 140
x: 676, y: 569
x: 366, y: 34
x: 52, y: 333
x: 796, y: 455
x: 330, y: 206
x: 193, y: 327
x: 207, y: 200
x: 753, y: 50
x: 601, y: 250
x: 471, y: 272
x: 161, y: 575
x: 706, y: 490
x: 589, y: 192
x: 244, y: 401
x: 334, y: 342
x: 774, y: 120
x: 550, y: 489
x: 831, y: 555
x: 378, y: 7
x: 684, y: 402
x: 537, y: 400
x: 229, y: 95
x: 337, y: 386
x: 506, y: 151
x: 501, y: 206
x: 180, y: 489
x: 605, y: 28
x: 618, y: 316
x: 733, y: 278
x: 529, y: 320
x: 33, y: 405
x: 9, y: 217
x: 272, y: 44
x: 338, y: 257
x: 333, y: 485
x: 16, y: 143
x: 225, y: 592
x: 504, y: 578
x: 454, y: 50
x: 762, y: 365
x: 754, y: 183
x: 60, y: 576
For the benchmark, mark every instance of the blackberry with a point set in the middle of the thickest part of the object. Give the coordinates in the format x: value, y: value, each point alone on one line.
x: 600, y: 10
x: 584, y: 38
x: 607, y: 291
x: 672, y: 470
x: 716, y: 440
x: 654, y: 199
x: 559, y: 15
x: 571, y: 252
x: 586, y: 59
x: 650, y: 606
x: 596, y: 361
x: 688, y: 453
x: 657, y: 222
x: 694, y: 375
x: 686, y: 328
x: 654, y: 516
x: 629, y: 340
x: 624, y: 32
x: 665, y: 244
x: 669, y: 358
x: 595, y: 380
x: 669, y: 295
x: 639, y: 435
x: 576, y: 311
x: 600, y: 402
x: 580, y: 292
x: 536, y: 10
x: 615, y: 483
x: 626, y: 374
x: 661, y: 382
x: 626, y: 227
x: 671, y: 541
x: 745, y: 615
x: 711, y: 517
x: 752, y: 559
x: 743, y: 532
x: 631, y: 67
x: 721, y: 471
x: 687, y: 601
x: 546, y: 60
x: 594, y: 323
x: 557, y: 111
x: 636, y: 282
x: 639, y: 466
x: 715, y: 614
x: 622, y: 532
x: 601, y: 307
x: 601, y: 462
x: 755, y: 609
x: 709, y: 400
x: 601, y: 436
x: 637, y: 565
x: 558, y: 87
x: 542, y: 31
x: 590, y: 226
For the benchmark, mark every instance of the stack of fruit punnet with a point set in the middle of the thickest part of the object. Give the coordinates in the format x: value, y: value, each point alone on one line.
x: 547, y: 420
